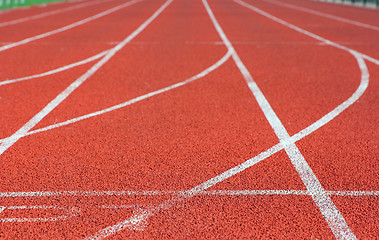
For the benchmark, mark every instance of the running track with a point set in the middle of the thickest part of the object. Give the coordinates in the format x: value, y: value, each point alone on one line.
x: 189, y: 119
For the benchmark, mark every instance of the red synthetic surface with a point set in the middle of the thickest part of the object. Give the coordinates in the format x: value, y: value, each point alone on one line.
x: 18, y: 13
x: 183, y: 137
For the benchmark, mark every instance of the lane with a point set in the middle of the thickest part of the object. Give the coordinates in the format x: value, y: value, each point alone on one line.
x: 299, y: 95
x: 365, y: 15
x: 357, y: 38
x: 42, y: 88
x: 198, y: 76
x: 27, y: 32
x: 152, y: 145
x: 17, y: 13
x: 21, y: 132
x: 344, y: 156
x: 47, y: 13
x: 365, y: 134
x: 205, y: 128
x: 330, y: 214
x: 71, y: 46
x: 328, y: 209
x: 156, y: 59
x: 173, y: 141
x: 229, y: 217
x: 325, y: 15
x: 344, y: 165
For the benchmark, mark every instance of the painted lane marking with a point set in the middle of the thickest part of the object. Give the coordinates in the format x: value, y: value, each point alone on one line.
x: 138, y: 208
x: 45, y: 14
x: 325, y: 204
x: 134, y: 100
x: 331, y: 214
x: 70, y: 212
x: 63, y: 95
x: 326, y: 15
x: 70, y: 26
x: 74, y: 211
x: 365, y: 76
x: 250, y: 162
x: 57, y: 70
x: 40, y: 6
x: 305, y: 32
x: 303, y: 133
x: 168, y: 192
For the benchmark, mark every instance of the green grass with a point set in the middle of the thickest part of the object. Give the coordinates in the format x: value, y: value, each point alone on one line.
x: 6, y: 4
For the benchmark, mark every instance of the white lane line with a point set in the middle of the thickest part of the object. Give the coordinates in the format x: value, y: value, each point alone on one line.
x: 63, y: 95
x: 20, y: 220
x: 74, y: 211
x: 70, y: 212
x: 70, y: 26
x: 365, y: 76
x: 134, y: 100
x: 287, y: 192
x: 303, y: 133
x: 114, y: 207
x: 57, y: 70
x: 69, y: 66
x: 161, y: 193
x: 331, y: 214
x: 79, y: 193
x: 360, y: 90
x: 305, y: 32
x: 45, y: 14
x: 326, y: 206
x: 273, y: 148
x: 326, y: 15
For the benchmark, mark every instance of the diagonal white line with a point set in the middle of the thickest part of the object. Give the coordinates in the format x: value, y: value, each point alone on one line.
x: 326, y: 15
x: 336, y: 112
x: 342, y: 107
x: 305, y: 32
x: 330, y: 212
x: 65, y: 28
x: 63, y: 95
x: 49, y: 13
x: 314, y: 187
x: 134, y: 100
x: 57, y: 70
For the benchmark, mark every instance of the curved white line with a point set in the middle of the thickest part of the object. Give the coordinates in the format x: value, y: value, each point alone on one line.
x: 134, y: 100
x: 330, y: 212
x: 74, y: 85
x: 70, y: 26
x: 323, y: 201
x: 45, y: 14
x: 305, y: 32
x: 326, y: 15
x: 57, y: 70
x: 365, y: 76
x: 144, y: 214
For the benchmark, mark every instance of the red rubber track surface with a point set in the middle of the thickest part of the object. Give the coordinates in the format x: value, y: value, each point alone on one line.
x: 70, y: 182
